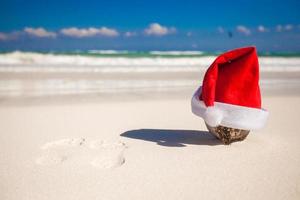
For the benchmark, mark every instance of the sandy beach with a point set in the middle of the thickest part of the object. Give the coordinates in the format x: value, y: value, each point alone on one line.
x: 142, y: 148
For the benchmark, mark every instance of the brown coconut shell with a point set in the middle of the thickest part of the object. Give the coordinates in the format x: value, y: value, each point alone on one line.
x: 227, y: 134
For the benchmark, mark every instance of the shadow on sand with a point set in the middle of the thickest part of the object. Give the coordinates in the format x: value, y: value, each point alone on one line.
x: 173, y: 138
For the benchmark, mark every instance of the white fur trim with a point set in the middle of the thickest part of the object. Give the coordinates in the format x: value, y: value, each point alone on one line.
x: 213, y: 116
x: 229, y: 115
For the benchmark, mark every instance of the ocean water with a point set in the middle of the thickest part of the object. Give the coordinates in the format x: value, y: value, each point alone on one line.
x: 109, y: 61
x: 63, y: 73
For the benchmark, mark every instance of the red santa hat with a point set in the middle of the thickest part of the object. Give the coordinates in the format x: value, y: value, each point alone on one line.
x: 230, y: 94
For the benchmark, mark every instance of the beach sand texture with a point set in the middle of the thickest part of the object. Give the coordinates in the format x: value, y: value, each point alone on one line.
x: 144, y: 150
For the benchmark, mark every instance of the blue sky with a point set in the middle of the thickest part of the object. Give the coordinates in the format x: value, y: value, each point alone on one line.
x: 149, y: 25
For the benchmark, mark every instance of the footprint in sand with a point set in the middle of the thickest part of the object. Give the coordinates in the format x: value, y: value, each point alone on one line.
x: 101, y: 154
x: 59, y: 151
x: 110, y: 155
x: 64, y: 143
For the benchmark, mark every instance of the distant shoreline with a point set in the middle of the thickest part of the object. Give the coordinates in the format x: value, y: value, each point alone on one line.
x: 150, y: 54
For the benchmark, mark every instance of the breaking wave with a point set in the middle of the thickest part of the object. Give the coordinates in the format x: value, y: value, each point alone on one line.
x: 51, y: 62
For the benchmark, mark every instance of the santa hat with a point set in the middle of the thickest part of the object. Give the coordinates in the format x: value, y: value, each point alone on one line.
x: 230, y: 94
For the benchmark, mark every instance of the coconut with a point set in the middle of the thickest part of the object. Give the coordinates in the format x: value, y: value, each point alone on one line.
x: 227, y: 134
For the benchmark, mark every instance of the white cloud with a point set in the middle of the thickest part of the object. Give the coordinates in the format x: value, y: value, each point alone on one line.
x: 89, y: 32
x: 221, y: 29
x: 3, y: 36
x: 39, y: 32
x: 243, y: 29
x: 280, y: 28
x: 288, y: 27
x: 108, y: 32
x: 159, y: 30
x: 130, y: 34
x: 262, y: 29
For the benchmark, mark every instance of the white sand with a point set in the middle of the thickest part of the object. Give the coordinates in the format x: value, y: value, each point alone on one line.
x: 97, y: 150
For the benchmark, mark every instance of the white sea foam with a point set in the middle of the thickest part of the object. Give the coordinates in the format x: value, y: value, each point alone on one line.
x: 176, y: 53
x: 54, y: 59
x: 29, y: 61
x: 107, y: 52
